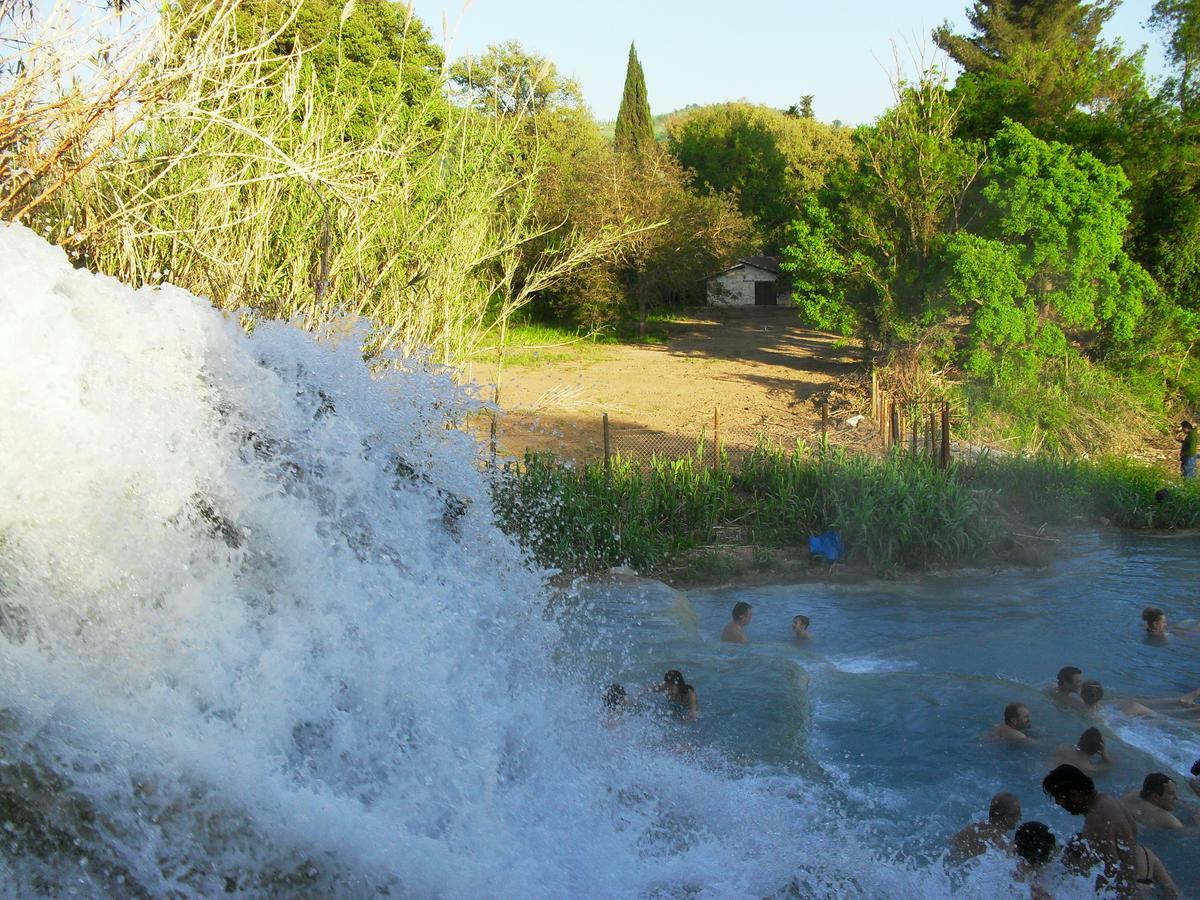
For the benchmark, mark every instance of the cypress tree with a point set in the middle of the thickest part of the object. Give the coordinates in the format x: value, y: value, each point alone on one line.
x: 635, y: 130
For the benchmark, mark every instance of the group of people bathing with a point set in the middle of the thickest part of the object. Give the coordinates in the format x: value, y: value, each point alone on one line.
x: 1110, y: 827
x: 1109, y: 838
x: 1109, y: 834
x: 673, y: 686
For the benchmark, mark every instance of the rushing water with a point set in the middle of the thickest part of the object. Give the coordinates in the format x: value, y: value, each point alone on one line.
x: 885, y: 704
x: 259, y: 635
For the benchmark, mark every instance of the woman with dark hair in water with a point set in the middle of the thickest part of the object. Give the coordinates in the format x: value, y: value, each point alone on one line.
x: 678, y: 691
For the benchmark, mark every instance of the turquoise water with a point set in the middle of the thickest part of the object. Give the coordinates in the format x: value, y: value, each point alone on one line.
x: 884, y: 706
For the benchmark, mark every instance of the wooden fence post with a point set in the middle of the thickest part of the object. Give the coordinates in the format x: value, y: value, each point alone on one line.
x: 824, y: 419
x: 914, y: 429
x: 607, y: 446
x: 945, y: 435
x: 716, y: 438
x: 895, y: 417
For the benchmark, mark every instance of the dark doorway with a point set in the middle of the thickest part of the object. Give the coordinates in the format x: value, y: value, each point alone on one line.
x: 764, y: 293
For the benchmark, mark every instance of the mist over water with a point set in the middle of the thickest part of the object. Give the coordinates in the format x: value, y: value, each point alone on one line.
x: 259, y: 635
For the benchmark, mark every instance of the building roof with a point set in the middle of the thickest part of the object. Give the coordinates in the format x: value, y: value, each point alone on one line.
x: 765, y: 263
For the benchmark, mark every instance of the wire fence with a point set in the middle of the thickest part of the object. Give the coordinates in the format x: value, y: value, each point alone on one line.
x: 917, y: 426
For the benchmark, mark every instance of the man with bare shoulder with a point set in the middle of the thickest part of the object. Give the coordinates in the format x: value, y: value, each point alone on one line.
x: 1089, y: 753
x: 1153, y: 805
x: 1016, y: 723
x: 1004, y: 812
x: 1109, y: 835
x: 734, y: 631
x: 1067, y: 685
x: 800, y: 627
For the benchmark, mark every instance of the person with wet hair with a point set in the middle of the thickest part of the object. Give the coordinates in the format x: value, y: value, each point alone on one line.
x: 800, y: 627
x: 1187, y: 449
x: 1036, y: 848
x: 1153, y: 805
x: 678, y: 692
x: 1109, y: 835
x: 1068, y: 682
x: 734, y: 631
x: 1066, y: 686
x: 1194, y: 781
x: 1156, y: 623
x: 1092, y: 693
x: 1017, y: 722
x: 1004, y: 812
x: 1089, y: 753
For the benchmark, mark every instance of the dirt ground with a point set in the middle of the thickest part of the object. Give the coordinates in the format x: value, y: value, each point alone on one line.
x: 763, y: 372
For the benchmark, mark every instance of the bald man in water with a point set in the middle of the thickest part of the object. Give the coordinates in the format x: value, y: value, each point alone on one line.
x: 1004, y: 812
x: 1016, y: 722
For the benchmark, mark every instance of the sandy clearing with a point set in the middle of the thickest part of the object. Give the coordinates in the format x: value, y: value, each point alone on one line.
x: 762, y: 370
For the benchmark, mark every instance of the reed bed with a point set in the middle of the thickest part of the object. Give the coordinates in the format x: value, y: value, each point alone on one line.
x: 185, y: 150
x: 895, y: 513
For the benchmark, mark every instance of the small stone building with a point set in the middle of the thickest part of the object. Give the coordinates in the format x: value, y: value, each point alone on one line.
x: 753, y: 281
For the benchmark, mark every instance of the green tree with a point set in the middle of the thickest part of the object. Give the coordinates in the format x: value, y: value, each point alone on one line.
x: 369, y: 51
x: 767, y: 160
x: 1180, y: 21
x: 1037, y: 62
x: 508, y: 79
x: 635, y: 127
x: 1045, y: 260
x: 863, y: 250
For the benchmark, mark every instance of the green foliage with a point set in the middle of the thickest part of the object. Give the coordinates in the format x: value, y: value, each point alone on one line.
x: 863, y: 255
x: 586, y: 519
x: 819, y: 271
x: 894, y: 513
x: 1067, y: 406
x: 1036, y: 63
x: 635, y: 129
x: 1046, y: 256
x: 767, y: 160
x: 507, y: 79
x: 378, y: 54
x: 1180, y: 20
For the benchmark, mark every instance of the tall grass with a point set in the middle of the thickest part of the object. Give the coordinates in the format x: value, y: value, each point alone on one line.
x: 205, y: 158
x: 895, y: 513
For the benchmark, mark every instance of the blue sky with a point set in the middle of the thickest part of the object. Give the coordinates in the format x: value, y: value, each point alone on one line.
x: 765, y: 51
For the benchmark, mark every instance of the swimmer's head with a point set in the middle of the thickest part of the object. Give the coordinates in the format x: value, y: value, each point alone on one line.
x: 1005, y: 810
x: 1091, y: 741
x: 1035, y: 843
x: 1071, y: 789
x: 1070, y: 679
x: 1159, y: 789
x: 1016, y: 715
x: 741, y: 612
x: 1196, y: 768
x: 675, y: 683
x: 1091, y: 692
x: 1155, y: 619
x: 614, y: 697
x: 800, y: 626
